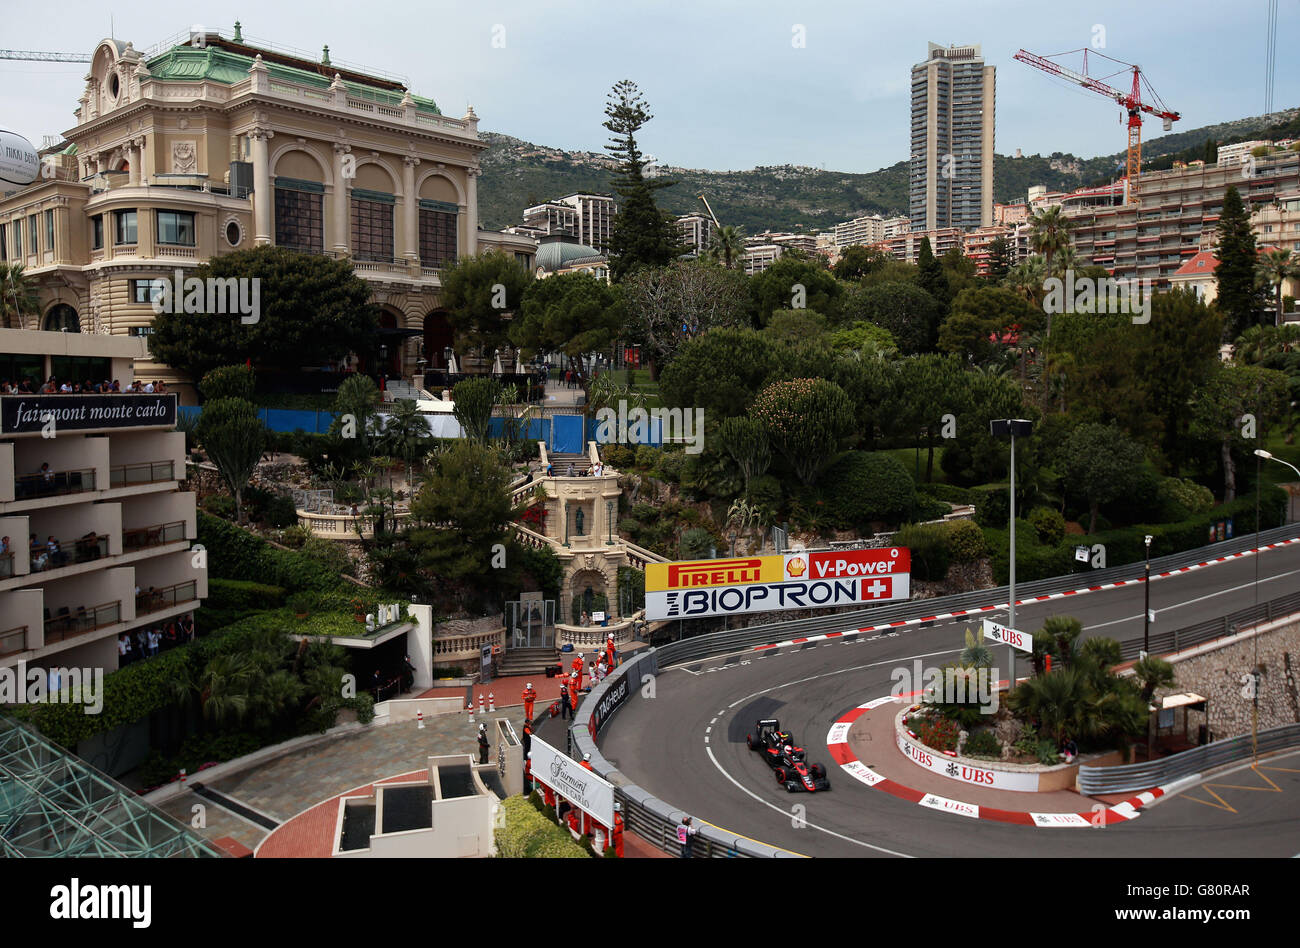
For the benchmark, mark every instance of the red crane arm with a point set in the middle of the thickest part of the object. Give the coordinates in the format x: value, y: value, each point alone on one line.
x: 1128, y: 100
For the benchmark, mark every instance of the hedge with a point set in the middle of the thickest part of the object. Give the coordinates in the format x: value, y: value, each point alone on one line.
x: 234, y: 553
x: 530, y: 835
x: 950, y: 493
x: 242, y: 594
x: 1126, y: 545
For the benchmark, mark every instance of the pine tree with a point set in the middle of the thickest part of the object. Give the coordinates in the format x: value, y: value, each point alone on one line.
x: 1235, y: 275
x: 642, y: 235
x: 930, y: 276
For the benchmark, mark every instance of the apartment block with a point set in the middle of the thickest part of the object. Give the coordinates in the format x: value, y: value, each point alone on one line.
x: 951, y: 167
x: 1176, y: 216
x: 96, y: 532
x: 907, y: 246
x: 697, y: 231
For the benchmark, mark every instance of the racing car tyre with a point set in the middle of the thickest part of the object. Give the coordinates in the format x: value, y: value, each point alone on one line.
x: 781, y: 775
x: 818, y: 771
x: 749, y: 741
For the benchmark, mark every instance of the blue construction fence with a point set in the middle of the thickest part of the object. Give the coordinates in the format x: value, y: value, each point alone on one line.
x: 563, y: 434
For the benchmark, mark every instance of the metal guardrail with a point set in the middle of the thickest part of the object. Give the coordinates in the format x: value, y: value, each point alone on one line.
x: 718, y: 643
x: 1207, y: 631
x: 652, y: 819
x: 1155, y: 773
x: 655, y: 820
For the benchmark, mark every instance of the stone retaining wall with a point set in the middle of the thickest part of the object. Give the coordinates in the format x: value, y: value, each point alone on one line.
x: 1215, y: 670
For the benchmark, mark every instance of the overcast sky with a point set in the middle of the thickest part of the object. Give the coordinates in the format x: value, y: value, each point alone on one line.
x: 724, y: 78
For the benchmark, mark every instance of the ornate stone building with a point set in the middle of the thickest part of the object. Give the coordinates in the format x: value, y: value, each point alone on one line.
x: 204, y: 146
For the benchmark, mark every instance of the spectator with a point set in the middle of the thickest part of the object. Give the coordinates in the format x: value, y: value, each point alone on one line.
x: 483, y: 745
x: 1070, y: 750
x: 4, y: 544
x: 141, y: 643
x: 585, y: 620
x: 123, y: 650
x: 564, y: 701
x: 187, y: 627
x: 408, y: 673
x: 375, y: 683
x: 170, y: 637
x: 686, y: 836
x: 569, y: 473
x: 47, y: 476
x: 148, y: 388
x: 155, y: 639
x: 160, y: 388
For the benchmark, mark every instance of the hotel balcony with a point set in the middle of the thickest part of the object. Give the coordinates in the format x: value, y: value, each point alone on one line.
x: 36, y: 473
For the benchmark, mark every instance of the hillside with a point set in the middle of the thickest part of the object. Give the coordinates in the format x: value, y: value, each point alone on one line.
x: 517, y: 174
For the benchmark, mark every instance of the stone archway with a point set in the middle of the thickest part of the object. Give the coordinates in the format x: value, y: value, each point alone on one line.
x: 61, y: 318
x: 590, y: 593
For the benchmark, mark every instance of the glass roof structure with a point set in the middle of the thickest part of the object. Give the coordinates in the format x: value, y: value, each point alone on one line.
x: 55, y: 804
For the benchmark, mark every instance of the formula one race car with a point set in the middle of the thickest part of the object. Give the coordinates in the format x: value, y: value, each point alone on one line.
x: 787, y: 760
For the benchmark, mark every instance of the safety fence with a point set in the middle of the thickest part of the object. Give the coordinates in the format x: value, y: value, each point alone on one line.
x: 1155, y: 773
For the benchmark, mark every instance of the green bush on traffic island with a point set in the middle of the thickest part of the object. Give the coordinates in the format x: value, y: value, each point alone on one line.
x: 529, y: 834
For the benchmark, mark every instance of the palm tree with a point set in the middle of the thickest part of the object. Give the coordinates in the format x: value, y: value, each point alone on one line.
x: 1058, y: 702
x: 1275, y: 268
x: 1049, y: 233
x: 976, y: 654
x: 729, y: 244
x: 1153, y: 673
x: 404, y: 432
x: 17, y: 296
x: 1063, y: 631
x: 1026, y: 278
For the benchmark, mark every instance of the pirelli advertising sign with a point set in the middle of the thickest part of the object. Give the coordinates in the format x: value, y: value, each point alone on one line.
x: 694, y: 589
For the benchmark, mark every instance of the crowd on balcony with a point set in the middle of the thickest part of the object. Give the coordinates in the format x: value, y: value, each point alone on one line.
x: 51, y: 555
x: 54, y: 386
x: 147, y: 642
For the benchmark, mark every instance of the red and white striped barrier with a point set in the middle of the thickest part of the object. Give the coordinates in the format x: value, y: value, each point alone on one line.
x: 901, y: 623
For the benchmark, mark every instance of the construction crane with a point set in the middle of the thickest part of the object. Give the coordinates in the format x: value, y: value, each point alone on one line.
x: 44, y: 57
x: 1131, y: 101
x: 710, y: 210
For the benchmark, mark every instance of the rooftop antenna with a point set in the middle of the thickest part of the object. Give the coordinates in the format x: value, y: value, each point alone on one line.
x: 112, y: 34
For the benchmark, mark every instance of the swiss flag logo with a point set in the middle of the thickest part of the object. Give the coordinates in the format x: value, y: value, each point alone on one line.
x: 877, y: 587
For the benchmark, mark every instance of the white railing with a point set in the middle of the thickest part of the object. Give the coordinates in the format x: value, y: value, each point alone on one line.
x: 189, y: 253
x: 465, y: 647
x: 345, y: 526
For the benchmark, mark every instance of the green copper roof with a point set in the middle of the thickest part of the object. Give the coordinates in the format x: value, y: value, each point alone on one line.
x: 189, y: 63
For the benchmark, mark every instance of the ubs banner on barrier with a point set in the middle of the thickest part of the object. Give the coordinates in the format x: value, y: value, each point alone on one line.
x: 695, y: 588
x: 20, y: 414
x: 585, y: 790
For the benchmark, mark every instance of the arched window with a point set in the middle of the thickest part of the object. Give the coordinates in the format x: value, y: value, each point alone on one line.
x: 61, y: 318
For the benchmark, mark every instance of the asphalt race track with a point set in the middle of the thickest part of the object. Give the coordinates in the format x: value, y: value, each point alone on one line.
x: 687, y: 744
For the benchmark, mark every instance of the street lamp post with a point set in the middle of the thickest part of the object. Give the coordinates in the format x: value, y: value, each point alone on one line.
x: 1001, y: 428
x: 1146, y: 611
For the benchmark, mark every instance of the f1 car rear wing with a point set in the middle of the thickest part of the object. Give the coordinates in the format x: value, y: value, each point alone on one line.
x: 770, y: 722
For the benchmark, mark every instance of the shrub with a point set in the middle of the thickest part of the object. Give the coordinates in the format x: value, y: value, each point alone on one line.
x: 1185, y: 496
x: 937, y: 732
x: 528, y: 834
x: 992, y: 504
x: 228, y: 381
x: 220, y: 505
x: 765, y: 492
x: 1048, y: 524
x: 619, y: 457
x: 966, y: 542
x: 280, y: 512
x: 982, y: 744
x: 928, y: 543
x: 950, y: 493
x: 926, y: 509
x: 696, y: 543
x: 862, y: 487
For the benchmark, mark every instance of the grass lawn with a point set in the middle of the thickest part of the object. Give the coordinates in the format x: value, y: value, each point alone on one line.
x: 639, y: 381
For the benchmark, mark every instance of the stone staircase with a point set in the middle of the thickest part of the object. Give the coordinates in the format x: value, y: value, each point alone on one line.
x: 581, y: 463
x: 527, y: 661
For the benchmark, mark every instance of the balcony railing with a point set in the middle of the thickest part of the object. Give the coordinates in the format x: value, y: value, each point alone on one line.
x: 147, y: 472
x: 82, y: 550
x: 141, y: 538
x: 155, y: 600
x: 13, y: 641
x: 52, y: 483
x: 67, y: 622
x: 6, y: 565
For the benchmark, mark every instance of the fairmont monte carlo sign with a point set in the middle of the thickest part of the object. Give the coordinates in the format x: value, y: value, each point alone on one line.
x: 35, y: 414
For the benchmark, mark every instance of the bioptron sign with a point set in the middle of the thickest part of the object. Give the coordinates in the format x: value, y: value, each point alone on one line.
x: 696, y: 588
